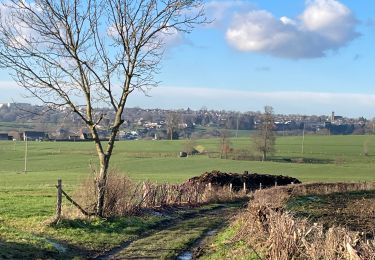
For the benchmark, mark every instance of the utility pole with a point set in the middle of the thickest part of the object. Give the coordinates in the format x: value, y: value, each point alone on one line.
x: 238, y: 115
x: 303, y: 138
x: 25, y: 170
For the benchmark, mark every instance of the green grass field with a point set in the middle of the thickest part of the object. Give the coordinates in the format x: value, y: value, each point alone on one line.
x: 27, y: 200
x: 158, y: 160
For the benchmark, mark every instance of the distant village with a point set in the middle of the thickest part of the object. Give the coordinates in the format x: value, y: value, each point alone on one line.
x: 22, y: 121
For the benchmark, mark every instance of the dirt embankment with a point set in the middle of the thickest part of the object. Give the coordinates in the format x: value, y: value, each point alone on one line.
x: 252, y: 180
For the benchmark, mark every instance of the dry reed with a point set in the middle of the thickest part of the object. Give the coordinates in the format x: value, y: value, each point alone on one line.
x: 276, y: 234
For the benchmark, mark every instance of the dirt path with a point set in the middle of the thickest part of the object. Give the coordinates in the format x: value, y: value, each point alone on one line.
x: 176, y: 237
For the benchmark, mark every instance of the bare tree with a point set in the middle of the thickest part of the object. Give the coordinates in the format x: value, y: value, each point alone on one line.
x: 225, y: 144
x: 189, y: 146
x: 264, y: 138
x: 365, y: 148
x: 172, y: 121
x: 83, y: 54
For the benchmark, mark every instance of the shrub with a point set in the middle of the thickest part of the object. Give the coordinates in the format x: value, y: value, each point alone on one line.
x: 121, y: 197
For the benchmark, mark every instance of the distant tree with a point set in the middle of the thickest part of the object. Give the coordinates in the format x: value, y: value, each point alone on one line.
x: 370, y: 126
x: 198, y: 120
x: 365, y: 148
x: 207, y: 119
x: 246, y: 122
x: 189, y: 145
x: 264, y: 138
x: 172, y: 121
x: 225, y: 144
x: 232, y: 121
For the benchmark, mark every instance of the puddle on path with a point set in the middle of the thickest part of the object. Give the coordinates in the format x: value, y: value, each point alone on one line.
x: 188, y: 254
x: 185, y: 256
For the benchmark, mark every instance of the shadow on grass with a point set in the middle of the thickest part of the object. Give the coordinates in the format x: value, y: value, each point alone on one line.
x: 301, y: 160
x: 123, y: 225
x: 17, y: 250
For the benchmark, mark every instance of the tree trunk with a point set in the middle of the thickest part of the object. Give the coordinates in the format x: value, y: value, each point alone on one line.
x: 264, y: 156
x: 101, y: 185
x: 104, y: 158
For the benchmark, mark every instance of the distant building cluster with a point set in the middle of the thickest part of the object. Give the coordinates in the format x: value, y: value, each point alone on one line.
x: 38, y: 123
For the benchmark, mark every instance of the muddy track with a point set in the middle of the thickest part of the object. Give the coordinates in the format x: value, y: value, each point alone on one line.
x: 176, y: 236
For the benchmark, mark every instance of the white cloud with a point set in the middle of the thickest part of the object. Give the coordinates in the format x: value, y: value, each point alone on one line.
x: 324, y: 25
x: 287, y: 21
x: 171, y: 37
x: 11, y: 92
x: 9, y: 16
x: 330, y: 19
x: 8, y: 85
x: 218, y: 11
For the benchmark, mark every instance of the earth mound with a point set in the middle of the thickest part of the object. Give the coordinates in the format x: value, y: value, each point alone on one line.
x: 252, y: 180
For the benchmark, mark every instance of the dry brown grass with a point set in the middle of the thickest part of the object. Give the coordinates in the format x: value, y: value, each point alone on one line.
x: 276, y: 234
x: 121, y: 196
x: 124, y: 197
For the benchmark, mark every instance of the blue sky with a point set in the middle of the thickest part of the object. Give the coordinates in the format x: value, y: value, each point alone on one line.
x: 309, y: 57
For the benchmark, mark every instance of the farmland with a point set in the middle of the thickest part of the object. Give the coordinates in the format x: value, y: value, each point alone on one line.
x: 27, y: 200
x: 336, y: 158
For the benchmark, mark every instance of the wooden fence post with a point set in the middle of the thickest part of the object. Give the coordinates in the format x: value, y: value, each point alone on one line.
x: 244, y: 187
x: 59, y: 203
x: 260, y: 185
x: 59, y: 199
x: 145, y: 193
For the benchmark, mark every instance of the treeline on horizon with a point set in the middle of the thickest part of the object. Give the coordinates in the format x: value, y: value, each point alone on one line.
x: 43, y: 118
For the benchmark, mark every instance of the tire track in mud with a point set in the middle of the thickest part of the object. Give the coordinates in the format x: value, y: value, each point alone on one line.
x: 177, y: 236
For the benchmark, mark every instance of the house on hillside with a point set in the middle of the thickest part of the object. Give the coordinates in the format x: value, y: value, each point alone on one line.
x: 86, y: 136
x: 34, y: 136
x: 74, y: 137
x: 4, y: 105
x: 61, y: 133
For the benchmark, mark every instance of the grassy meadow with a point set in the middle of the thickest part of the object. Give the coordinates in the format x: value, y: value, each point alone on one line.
x: 28, y: 200
x: 336, y: 158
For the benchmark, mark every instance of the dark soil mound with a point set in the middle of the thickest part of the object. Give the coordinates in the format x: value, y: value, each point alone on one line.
x: 252, y: 180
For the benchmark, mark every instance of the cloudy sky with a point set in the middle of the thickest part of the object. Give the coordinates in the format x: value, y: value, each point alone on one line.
x: 299, y: 56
